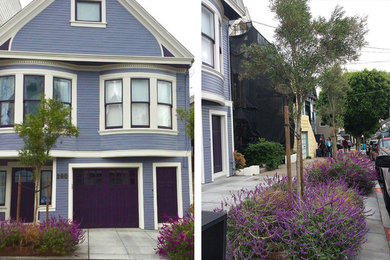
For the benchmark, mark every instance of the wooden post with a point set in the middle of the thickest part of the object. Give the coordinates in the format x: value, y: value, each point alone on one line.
x: 47, y: 198
x: 288, y: 152
x: 19, y: 195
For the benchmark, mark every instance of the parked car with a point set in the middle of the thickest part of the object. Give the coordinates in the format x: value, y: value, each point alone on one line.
x: 370, y: 145
x: 375, y: 151
x: 382, y: 163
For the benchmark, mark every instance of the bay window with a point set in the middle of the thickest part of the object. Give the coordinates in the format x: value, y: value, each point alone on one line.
x: 33, y: 93
x: 2, y: 187
x: 62, y: 89
x: 140, y: 103
x: 164, y: 104
x: 208, y: 36
x: 7, y: 100
x: 113, y: 103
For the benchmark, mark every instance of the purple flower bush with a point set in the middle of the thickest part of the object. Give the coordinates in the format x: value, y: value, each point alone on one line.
x: 353, y: 168
x: 176, y: 240
x: 271, y: 222
x: 54, y: 237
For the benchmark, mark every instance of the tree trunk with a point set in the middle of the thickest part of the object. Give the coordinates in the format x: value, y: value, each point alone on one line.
x: 37, y: 178
x: 357, y: 143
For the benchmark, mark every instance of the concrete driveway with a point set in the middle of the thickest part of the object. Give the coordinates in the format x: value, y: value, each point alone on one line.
x: 118, y: 243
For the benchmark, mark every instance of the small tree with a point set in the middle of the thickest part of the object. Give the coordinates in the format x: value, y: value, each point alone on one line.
x: 188, y: 117
x: 331, y: 102
x: 303, y: 48
x: 40, y: 132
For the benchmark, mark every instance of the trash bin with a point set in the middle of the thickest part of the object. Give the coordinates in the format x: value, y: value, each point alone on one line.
x: 364, y: 146
x: 214, y: 235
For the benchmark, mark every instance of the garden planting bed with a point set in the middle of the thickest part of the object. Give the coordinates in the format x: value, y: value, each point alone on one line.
x: 57, y: 237
x: 328, y: 222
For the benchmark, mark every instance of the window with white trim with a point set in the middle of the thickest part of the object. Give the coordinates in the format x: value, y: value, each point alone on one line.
x: 208, y: 36
x: 88, y: 13
x: 113, y: 103
x: 140, y: 103
x: 7, y: 101
x: 34, y: 86
x: 164, y: 104
x: 147, y: 105
x: 62, y: 91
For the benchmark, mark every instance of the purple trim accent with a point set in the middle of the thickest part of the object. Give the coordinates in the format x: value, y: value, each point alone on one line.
x: 217, y: 143
x: 166, y: 52
x: 106, y: 198
x: 166, y: 193
x: 27, y: 195
x: 5, y: 46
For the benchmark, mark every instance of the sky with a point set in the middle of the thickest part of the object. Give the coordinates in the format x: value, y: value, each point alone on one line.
x: 180, y: 18
x: 375, y: 55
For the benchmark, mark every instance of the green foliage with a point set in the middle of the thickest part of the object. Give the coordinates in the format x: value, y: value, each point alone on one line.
x: 240, y: 160
x: 188, y: 117
x: 40, y: 132
x: 303, y: 48
x: 264, y: 152
x: 332, y: 98
x: 367, y: 102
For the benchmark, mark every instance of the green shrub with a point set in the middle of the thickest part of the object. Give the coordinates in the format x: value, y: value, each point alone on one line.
x: 240, y: 160
x: 264, y: 152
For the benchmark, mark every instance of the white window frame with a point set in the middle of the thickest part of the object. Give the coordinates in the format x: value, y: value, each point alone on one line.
x: 49, y: 76
x: 126, y: 95
x: 218, y: 26
x: 74, y: 22
x: 179, y: 191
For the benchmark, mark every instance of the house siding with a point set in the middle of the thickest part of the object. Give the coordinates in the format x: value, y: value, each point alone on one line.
x: 58, y: 36
x: 212, y: 83
x: 62, y: 191
x: 88, y: 107
x: 222, y: 87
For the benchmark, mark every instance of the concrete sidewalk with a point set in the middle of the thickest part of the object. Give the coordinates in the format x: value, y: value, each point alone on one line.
x: 377, y: 245
x: 112, y: 243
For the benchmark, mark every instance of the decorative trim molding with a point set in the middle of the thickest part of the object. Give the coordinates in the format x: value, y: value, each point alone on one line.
x: 213, y: 72
x: 65, y: 65
x: 105, y: 154
x: 95, y: 58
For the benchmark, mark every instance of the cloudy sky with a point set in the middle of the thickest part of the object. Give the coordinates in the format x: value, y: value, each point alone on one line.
x: 183, y: 24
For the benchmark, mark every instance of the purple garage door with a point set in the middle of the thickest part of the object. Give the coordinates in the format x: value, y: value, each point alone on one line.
x: 26, y: 194
x: 166, y: 193
x: 217, y: 143
x: 105, y: 198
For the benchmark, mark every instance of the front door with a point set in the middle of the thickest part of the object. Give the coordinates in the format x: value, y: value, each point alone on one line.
x: 26, y: 194
x: 166, y: 193
x: 217, y: 143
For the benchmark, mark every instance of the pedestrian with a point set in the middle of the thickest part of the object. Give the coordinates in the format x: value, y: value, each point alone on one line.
x: 323, y: 147
x: 329, y: 152
x: 345, y: 145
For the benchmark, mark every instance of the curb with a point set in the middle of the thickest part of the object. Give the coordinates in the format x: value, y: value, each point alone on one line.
x: 383, y: 212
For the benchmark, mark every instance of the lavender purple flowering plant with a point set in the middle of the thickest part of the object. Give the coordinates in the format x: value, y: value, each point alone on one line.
x: 176, y: 240
x: 351, y: 167
x: 272, y: 222
x: 54, y: 237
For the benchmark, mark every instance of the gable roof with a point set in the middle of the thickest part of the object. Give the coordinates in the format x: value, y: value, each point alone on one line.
x: 168, y: 43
